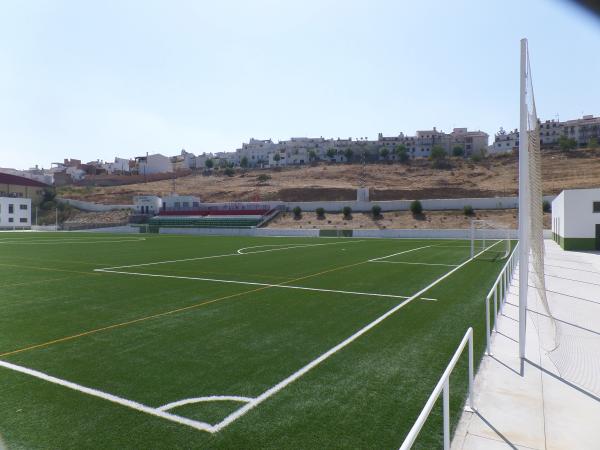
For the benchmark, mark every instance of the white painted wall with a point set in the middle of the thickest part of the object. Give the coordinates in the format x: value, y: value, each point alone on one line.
x: 578, y: 216
x: 558, y: 214
x: 19, y: 217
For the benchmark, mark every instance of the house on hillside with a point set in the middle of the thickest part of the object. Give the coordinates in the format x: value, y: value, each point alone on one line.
x: 155, y: 163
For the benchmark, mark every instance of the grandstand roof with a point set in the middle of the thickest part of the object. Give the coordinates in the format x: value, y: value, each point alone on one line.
x: 6, y: 178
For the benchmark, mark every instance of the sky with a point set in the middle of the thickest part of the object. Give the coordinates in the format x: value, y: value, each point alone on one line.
x: 98, y: 79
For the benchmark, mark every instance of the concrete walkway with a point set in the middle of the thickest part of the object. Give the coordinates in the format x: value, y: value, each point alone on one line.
x: 556, y: 403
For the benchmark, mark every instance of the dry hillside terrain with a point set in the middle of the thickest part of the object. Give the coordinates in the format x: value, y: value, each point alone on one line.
x: 400, y: 219
x: 494, y: 176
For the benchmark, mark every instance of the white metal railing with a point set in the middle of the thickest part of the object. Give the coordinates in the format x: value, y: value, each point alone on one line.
x: 443, y: 387
x: 499, y: 291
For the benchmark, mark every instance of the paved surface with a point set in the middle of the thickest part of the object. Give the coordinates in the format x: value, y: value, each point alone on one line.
x: 555, y: 404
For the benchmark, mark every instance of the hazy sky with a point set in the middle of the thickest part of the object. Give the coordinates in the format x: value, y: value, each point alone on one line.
x: 93, y: 80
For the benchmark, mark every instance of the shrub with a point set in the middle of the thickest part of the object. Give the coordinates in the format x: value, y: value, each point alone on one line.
x: 458, y: 151
x: 416, y: 208
x: 546, y: 206
x: 476, y: 158
x: 297, y: 212
x: 244, y: 162
x: 347, y: 212
x: 263, y: 178
x: 229, y: 172
x: 376, y: 211
x: 320, y: 213
x: 468, y: 210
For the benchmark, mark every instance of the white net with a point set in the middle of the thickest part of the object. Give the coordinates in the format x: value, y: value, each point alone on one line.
x: 546, y: 324
x: 490, y: 238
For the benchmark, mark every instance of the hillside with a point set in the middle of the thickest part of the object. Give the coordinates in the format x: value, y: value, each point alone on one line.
x: 494, y: 176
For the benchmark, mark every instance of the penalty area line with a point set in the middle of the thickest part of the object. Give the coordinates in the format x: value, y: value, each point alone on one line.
x: 293, y: 377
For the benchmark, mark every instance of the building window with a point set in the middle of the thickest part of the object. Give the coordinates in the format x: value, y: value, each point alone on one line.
x: 597, y: 207
x: 23, y: 207
x: 10, y: 219
x: 23, y: 220
x: 11, y: 209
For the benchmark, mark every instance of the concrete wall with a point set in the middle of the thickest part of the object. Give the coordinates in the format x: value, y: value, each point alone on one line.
x: 240, y: 232
x: 93, y: 207
x: 404, y: 205
x: 574, y: 220
x: 455, y: 204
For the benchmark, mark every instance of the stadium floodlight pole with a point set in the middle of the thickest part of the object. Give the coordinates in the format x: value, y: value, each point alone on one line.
x: 56, y: 219
x: 524, y: 209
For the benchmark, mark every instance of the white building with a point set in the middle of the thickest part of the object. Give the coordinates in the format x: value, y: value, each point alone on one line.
x: 155, y: 163
x: 15, y: 213
x: 180, y: 202
x: 120, y: 165
x: 576, y: 219
x: 505, y: 142
x: 147, y: 204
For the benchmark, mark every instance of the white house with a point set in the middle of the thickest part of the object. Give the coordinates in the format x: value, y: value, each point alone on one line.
x: 155, y: 163
x: 120, y: 165
x: 576, y: 219
x: 15, y: 212
x: 147, y: 204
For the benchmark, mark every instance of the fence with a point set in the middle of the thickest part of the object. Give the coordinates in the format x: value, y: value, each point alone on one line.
x: 443, y: 387
x: 499, y: 292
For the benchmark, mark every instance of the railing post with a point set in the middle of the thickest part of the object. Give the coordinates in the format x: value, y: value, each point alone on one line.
x: 446, y: 406
x: 471, y: 401
x: 495, y: 306
x: 487, y: 324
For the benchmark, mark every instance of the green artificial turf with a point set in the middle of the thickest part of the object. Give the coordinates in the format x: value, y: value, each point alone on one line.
x: 159, y: 333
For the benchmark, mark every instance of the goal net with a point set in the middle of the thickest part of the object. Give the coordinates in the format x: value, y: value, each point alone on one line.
x: 489, y: 240
x: 532, y: 285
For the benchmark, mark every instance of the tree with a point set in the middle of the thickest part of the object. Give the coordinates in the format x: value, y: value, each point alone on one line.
x: 468, y: 210
x: 297, y: 212
x: 244, y: 162
x: 566, y: 144
x: 209, y: 163
x: 376, y: 211
x: 384, y: 153
x: 458, y: 151
x: 437, y: 153
x: 312, y: 155
x: 348, y: 153
x: 401, y: 153
x: 593, y: 143
x: 277, y: 158
x: 331, y: 153
x: 347, y: 212
x: 229, y: 172
x: 416, y: 208
x: 546, y: 206
x: 320, y: 213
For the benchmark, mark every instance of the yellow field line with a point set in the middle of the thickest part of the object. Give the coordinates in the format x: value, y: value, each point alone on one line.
x: 174, y: 311
x: 37, y: 281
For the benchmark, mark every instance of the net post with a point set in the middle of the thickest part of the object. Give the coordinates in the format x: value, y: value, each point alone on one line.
x: 472, y: 238
x: 446, y: 407
x: 523, y: 203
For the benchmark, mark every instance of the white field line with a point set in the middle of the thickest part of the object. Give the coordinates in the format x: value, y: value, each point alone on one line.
x: 429, y: 299
x: 399, y: 253
x: 414, y: 263
x: 293, y: 377
x: 202, y: 426
x: 281, y: 246
x: 77, y: 241
x: 219, y: 256
x: 252, y: 283
x: 212, y: 398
